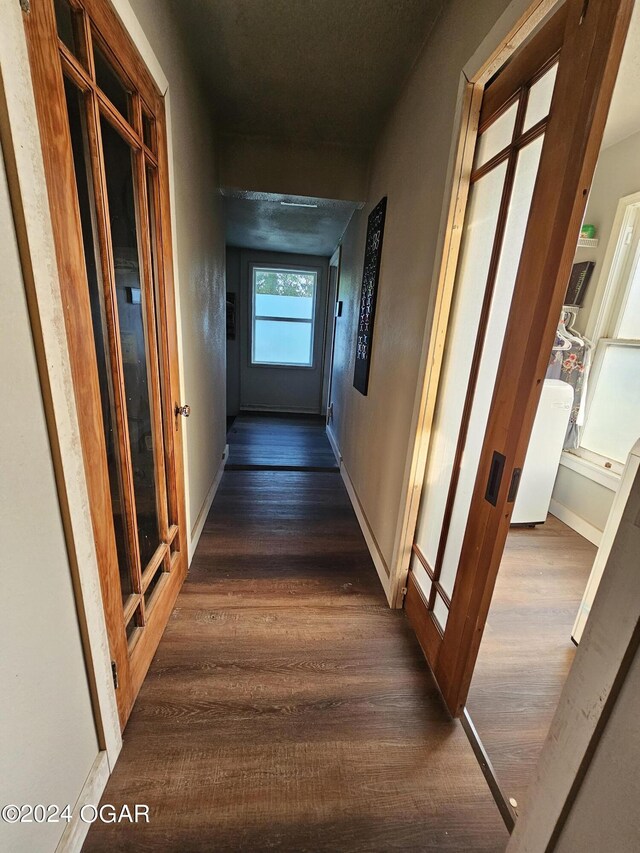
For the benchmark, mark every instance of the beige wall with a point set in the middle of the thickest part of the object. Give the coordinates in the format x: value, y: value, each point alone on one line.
x: 267, y: 165
x: 49, y: 741
x: 200, y: 256
x: 410, y: 167
x: 617, y: 175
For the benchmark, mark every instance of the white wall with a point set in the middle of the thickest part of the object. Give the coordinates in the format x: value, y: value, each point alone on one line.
x: 605, y: 815
x: 410, y: 167
x: 577, y: 498
x: 200, y: 254
x: 49, y: 741
x: 585, y: 790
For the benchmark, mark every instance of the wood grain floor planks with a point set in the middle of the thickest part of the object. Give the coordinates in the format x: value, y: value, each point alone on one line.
x: 526, y: 650
x: 276, y: 442
x: 287, y: 707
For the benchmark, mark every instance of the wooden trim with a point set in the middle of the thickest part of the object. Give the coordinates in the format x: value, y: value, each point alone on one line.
x: 150, y: 331
x: 114, y: 350
x: 591, y: 54
x: 483, y: 320
x: 435, y: 334
x: 423, y: 623
x: 526, y: 65
x: 115, y: 119
x: 153, y: 565
x: 75, y: 832
x: 46, y: 74
x: 99, y: 17
x: 436, y: 585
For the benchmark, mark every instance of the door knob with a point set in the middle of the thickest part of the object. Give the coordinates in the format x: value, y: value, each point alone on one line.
x: 185, y: 410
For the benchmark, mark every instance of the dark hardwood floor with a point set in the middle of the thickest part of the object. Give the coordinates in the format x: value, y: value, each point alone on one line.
x: 526, y: 651
x: 279, y: 443
x: 288, y: 708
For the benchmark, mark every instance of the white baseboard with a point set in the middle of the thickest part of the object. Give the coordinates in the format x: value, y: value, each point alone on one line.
x: 369, y: 538
x: 197, y: 528
x: 76, y: 830
x: 334, y: 445
x: 575, y: 522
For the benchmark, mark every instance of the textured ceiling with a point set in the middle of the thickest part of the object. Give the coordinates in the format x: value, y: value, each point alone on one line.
x: 261, y: 221
x: 305, y: 70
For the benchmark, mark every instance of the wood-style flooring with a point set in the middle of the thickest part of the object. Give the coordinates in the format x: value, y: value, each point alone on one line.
x: 526, y: 650
x: 279, y: 443
x: 287, y: 707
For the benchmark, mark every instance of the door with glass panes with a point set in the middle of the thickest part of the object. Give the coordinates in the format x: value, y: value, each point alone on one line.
x: 540, y: 127
x: 102, y: 125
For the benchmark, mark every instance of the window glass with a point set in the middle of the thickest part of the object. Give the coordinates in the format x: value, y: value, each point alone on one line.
x: 629, y: 326
x: 75, y: 107
x: 283, y: 314
x: 110, y: 82
x: 613, y: 418
x: 133, y: 338
x: 496, y: 137
x: 539, y: 101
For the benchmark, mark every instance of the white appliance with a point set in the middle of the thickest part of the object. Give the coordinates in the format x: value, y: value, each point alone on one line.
x: 609, y: 534
x: 543, y: 455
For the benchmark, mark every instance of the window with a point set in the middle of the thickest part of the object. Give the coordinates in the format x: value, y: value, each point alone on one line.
x: 283, y: 312
x: 612, y: 423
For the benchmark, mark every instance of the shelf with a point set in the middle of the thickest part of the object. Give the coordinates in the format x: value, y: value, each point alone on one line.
x: 587, y: 242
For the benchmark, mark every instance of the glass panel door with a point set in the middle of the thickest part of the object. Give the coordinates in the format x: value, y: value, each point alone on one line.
x: 102, y: 124
x: 507, y: 157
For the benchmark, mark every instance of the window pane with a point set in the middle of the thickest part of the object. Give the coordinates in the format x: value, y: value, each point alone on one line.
x: 630, y: 320
x: 496, y: 137
x: 75, y: 108
x: 148, y: 131
x: 440, y: 611
x: 122, y: 216
x: 613, y: 417
x: 471, y: 280
x: 421, y: 577
x: 517, y: 217
x: 280, y: 342
x: 66, y: 26
x: 109, y: 82
x: 540, y: 98
x: 279, y: 293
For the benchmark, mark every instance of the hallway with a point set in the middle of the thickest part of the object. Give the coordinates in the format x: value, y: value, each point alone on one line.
x: 287, y: 707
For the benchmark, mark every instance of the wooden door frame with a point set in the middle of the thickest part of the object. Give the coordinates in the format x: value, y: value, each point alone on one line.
x: 592, y: 42
x: 25, y: 172
x: 119, y: 23
x: 335, y: 262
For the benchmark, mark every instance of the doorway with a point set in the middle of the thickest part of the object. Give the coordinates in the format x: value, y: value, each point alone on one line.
x: 577, y: 473
x: 102, y: 124
x: 282, y: 331
x: 532, y: 169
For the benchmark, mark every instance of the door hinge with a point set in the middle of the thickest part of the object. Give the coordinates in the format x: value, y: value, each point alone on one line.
x: 114, y: 673
x: 403, y: 591
x: 25, y: 5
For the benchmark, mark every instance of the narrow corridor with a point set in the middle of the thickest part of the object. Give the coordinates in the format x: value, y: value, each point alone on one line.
x: 287, y: 707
